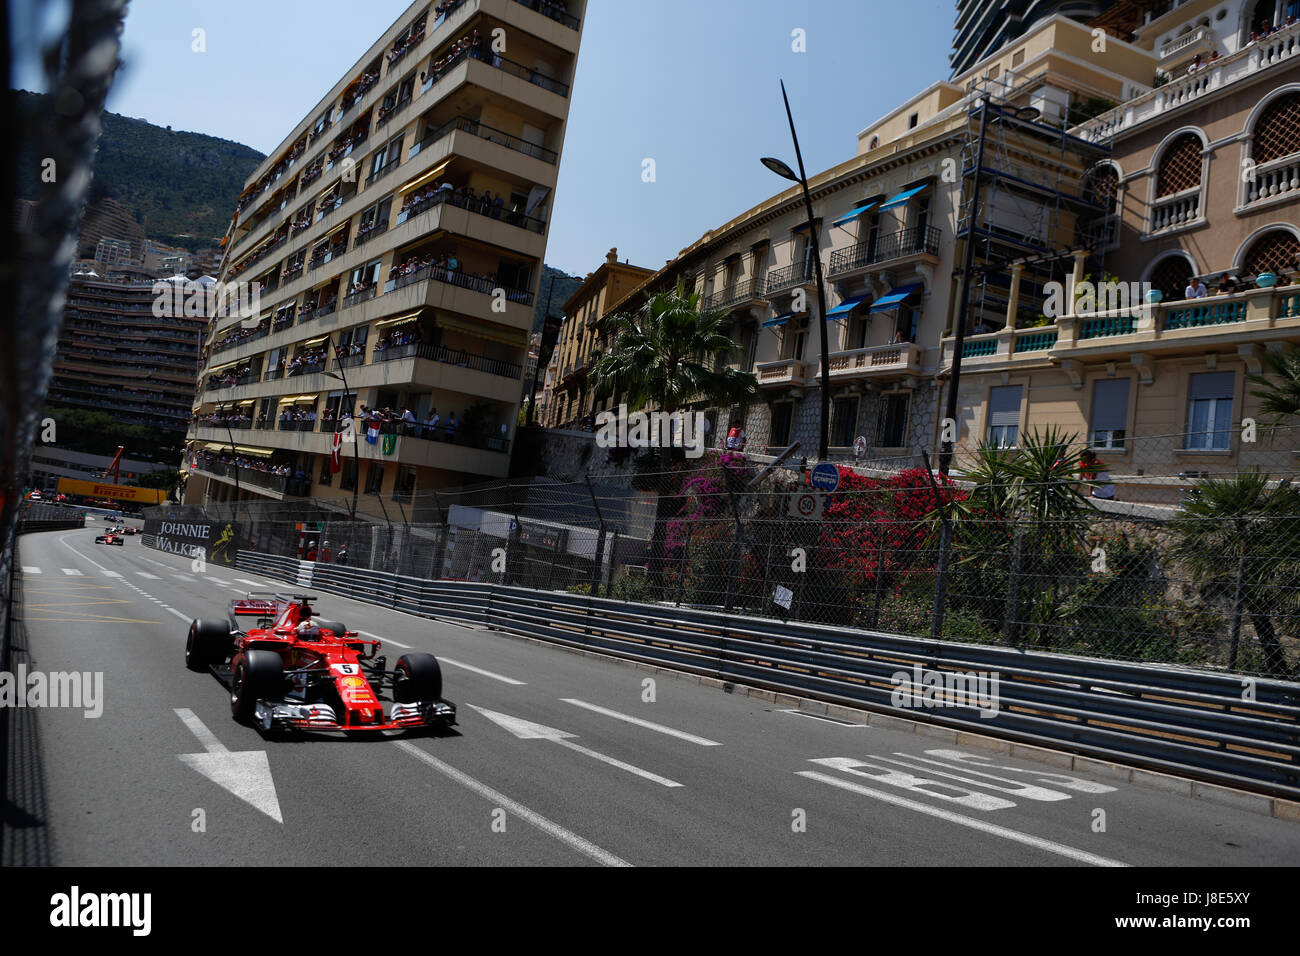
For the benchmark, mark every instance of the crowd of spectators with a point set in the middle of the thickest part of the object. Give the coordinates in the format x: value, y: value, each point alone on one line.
x: 472, y: 44
x: 407, y: 335
x: 230, y: 378
x: 405, y: 44
x: 297, y: 417
x: 305, y: 361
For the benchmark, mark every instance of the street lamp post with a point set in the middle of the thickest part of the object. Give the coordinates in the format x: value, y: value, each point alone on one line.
x: 234, y: 461
x: 784, y: 171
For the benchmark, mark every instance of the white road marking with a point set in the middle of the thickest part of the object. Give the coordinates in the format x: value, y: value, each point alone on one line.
x: 648, y: 725
x: 478, y: 670
x: 256, y: 584
x: 112, y: 574
x: 388, y: 640
x: 527, y: 730
x: 1062, y: 780
x: 825, y: 720
x: 183, y: 617
x: 72, y: 571
x: 1015, y: 788
x: 496, y: 798
x: 246, y: 774
x: 146, y: 574
x: 219, y: 581
x: 31, y: 569
x: 973, y: 799
x: 993, y: 829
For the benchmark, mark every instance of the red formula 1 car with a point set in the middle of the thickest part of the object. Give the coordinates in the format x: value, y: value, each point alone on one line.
x: 112, y: 537
x: 291, y: 670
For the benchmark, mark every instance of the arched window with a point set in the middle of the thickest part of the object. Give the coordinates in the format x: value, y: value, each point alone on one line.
x: 1275, y: 251
x: 1277, y: 131
x: 1180, y: 166
x: 1170, y: 276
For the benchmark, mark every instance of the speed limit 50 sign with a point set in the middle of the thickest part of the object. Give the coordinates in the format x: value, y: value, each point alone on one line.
x: 807, y: 504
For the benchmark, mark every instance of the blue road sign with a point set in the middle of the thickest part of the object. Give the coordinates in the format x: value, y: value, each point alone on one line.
x: 826, y: 477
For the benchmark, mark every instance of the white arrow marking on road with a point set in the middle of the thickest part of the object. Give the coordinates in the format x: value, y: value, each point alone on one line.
x: 1063, y: 780
x: 246, y: 774
x: 648, y: 725
x: 961, y: 820
x: 1017, y: 788
x: 527, y: 730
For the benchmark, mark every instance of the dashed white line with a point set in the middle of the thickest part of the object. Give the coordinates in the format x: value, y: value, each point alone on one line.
x: 256, y: 584
x: 183, y: 617
x: 478, y: 670
x: 112, y: 574
x: 31, y: 569
x: 583, y: 846
x: 146, y: 574
x: 826, y: 720
x: 72, y: 571
x: 647, y: 724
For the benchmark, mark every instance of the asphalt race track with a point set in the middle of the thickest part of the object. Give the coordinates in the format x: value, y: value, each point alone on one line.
x: 697, y: 777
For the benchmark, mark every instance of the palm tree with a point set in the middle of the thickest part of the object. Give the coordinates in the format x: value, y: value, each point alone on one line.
x: 667, y: 356
x: 1237, y: 538
x: 1280, y: 397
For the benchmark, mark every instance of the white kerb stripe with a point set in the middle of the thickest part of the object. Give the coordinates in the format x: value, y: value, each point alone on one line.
x: 962, y: 820
x: 585, y: 847
x: 648, y: 725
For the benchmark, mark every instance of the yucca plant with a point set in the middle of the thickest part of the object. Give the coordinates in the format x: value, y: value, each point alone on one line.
x: 1279, y: 391
x: 1243, y: 528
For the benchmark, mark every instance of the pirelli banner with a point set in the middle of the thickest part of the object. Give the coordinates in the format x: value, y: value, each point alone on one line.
x: 216, y: 542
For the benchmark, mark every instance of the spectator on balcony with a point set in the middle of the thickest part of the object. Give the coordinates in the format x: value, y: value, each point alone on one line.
x: 1195, y: 289
x: 431, y: 424
x: 450, y: 427
x: 1228, y: 285
x: 736, y: 436
x: 409, y: 421
x: 1195, y: 65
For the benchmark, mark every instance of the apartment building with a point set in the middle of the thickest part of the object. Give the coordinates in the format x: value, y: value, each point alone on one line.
x: 890, y: 226
x: 1202, y: 184
x: 985, y: 26
x: 583, y: 337
x: 397, y: 235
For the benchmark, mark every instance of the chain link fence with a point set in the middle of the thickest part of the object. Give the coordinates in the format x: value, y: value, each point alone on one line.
x: 1012, y: 549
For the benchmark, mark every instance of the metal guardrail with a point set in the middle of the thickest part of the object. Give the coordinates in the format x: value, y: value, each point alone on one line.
x: 1167, y: 719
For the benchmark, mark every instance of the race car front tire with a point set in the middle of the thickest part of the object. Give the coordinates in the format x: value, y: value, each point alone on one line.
x: 336, y: 626
x: 254, y: 675
x: 419, y: 677
x: 208, y: 643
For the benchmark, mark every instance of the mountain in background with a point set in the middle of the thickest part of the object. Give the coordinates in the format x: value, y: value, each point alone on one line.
x: 179, y: 187
x: 565, y: 286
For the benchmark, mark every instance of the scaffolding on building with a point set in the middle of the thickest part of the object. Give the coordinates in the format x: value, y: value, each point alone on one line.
x: 1042, y: 196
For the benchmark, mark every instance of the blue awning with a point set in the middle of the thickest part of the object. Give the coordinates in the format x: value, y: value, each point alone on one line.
x: 848, y: 305
x: 896, y: 296
x: 779, y: 320
x: 902, y: 197
x: 850, y: 216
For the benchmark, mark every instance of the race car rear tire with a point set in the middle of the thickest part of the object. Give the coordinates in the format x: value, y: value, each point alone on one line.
x: 419, y: 677
x: 208, y: 643
x: 254, y: 675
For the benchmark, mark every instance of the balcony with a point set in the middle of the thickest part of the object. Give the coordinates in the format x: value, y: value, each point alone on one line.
x: 1243, y: 65
x: 448, y: 197
x: 502, y: 64
x: 488, y: 133
x: 784, y: 279
x: 355, y: 298
x: 572, y: 22
x: 740, y: 294
x: 248, y: 477
x: 448, y: 356
x: 881, y: 361
x: 902, y: 245
x: 1244, y: 322
x: 1277, y: 179
x: 457, y: 278
x: 1179, y: 209
x: 783, y: 373
x: 1200, y: 40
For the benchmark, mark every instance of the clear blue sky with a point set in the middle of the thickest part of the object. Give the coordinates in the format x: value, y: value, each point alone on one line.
x: 692, y: 84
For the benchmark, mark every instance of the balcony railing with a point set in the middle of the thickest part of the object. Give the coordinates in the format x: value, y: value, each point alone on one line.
x: 500, y: 63
x: 354, y: 298
x: 247, y: 476
x: 782, y: 372
x: 746, y: 290
x: 447, y: 197
x: 349, y: 360
x: 790, y: 276
x: 1279, y: 177
x: 457, y: 278
x: 1176, y: 210
x: 874, y: 360
x: 449, y: 356
x: 905, y: 242
x: 488, y: 133
x: 548, y: 10
x: 307, y: 368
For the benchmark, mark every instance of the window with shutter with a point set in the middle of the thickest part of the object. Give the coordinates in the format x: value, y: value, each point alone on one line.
x: 1209, y: 410
x: 1110, y: 413
x: 1004, y: 415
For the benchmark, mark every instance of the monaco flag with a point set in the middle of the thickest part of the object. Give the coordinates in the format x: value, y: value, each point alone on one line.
x: 336, y: 454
